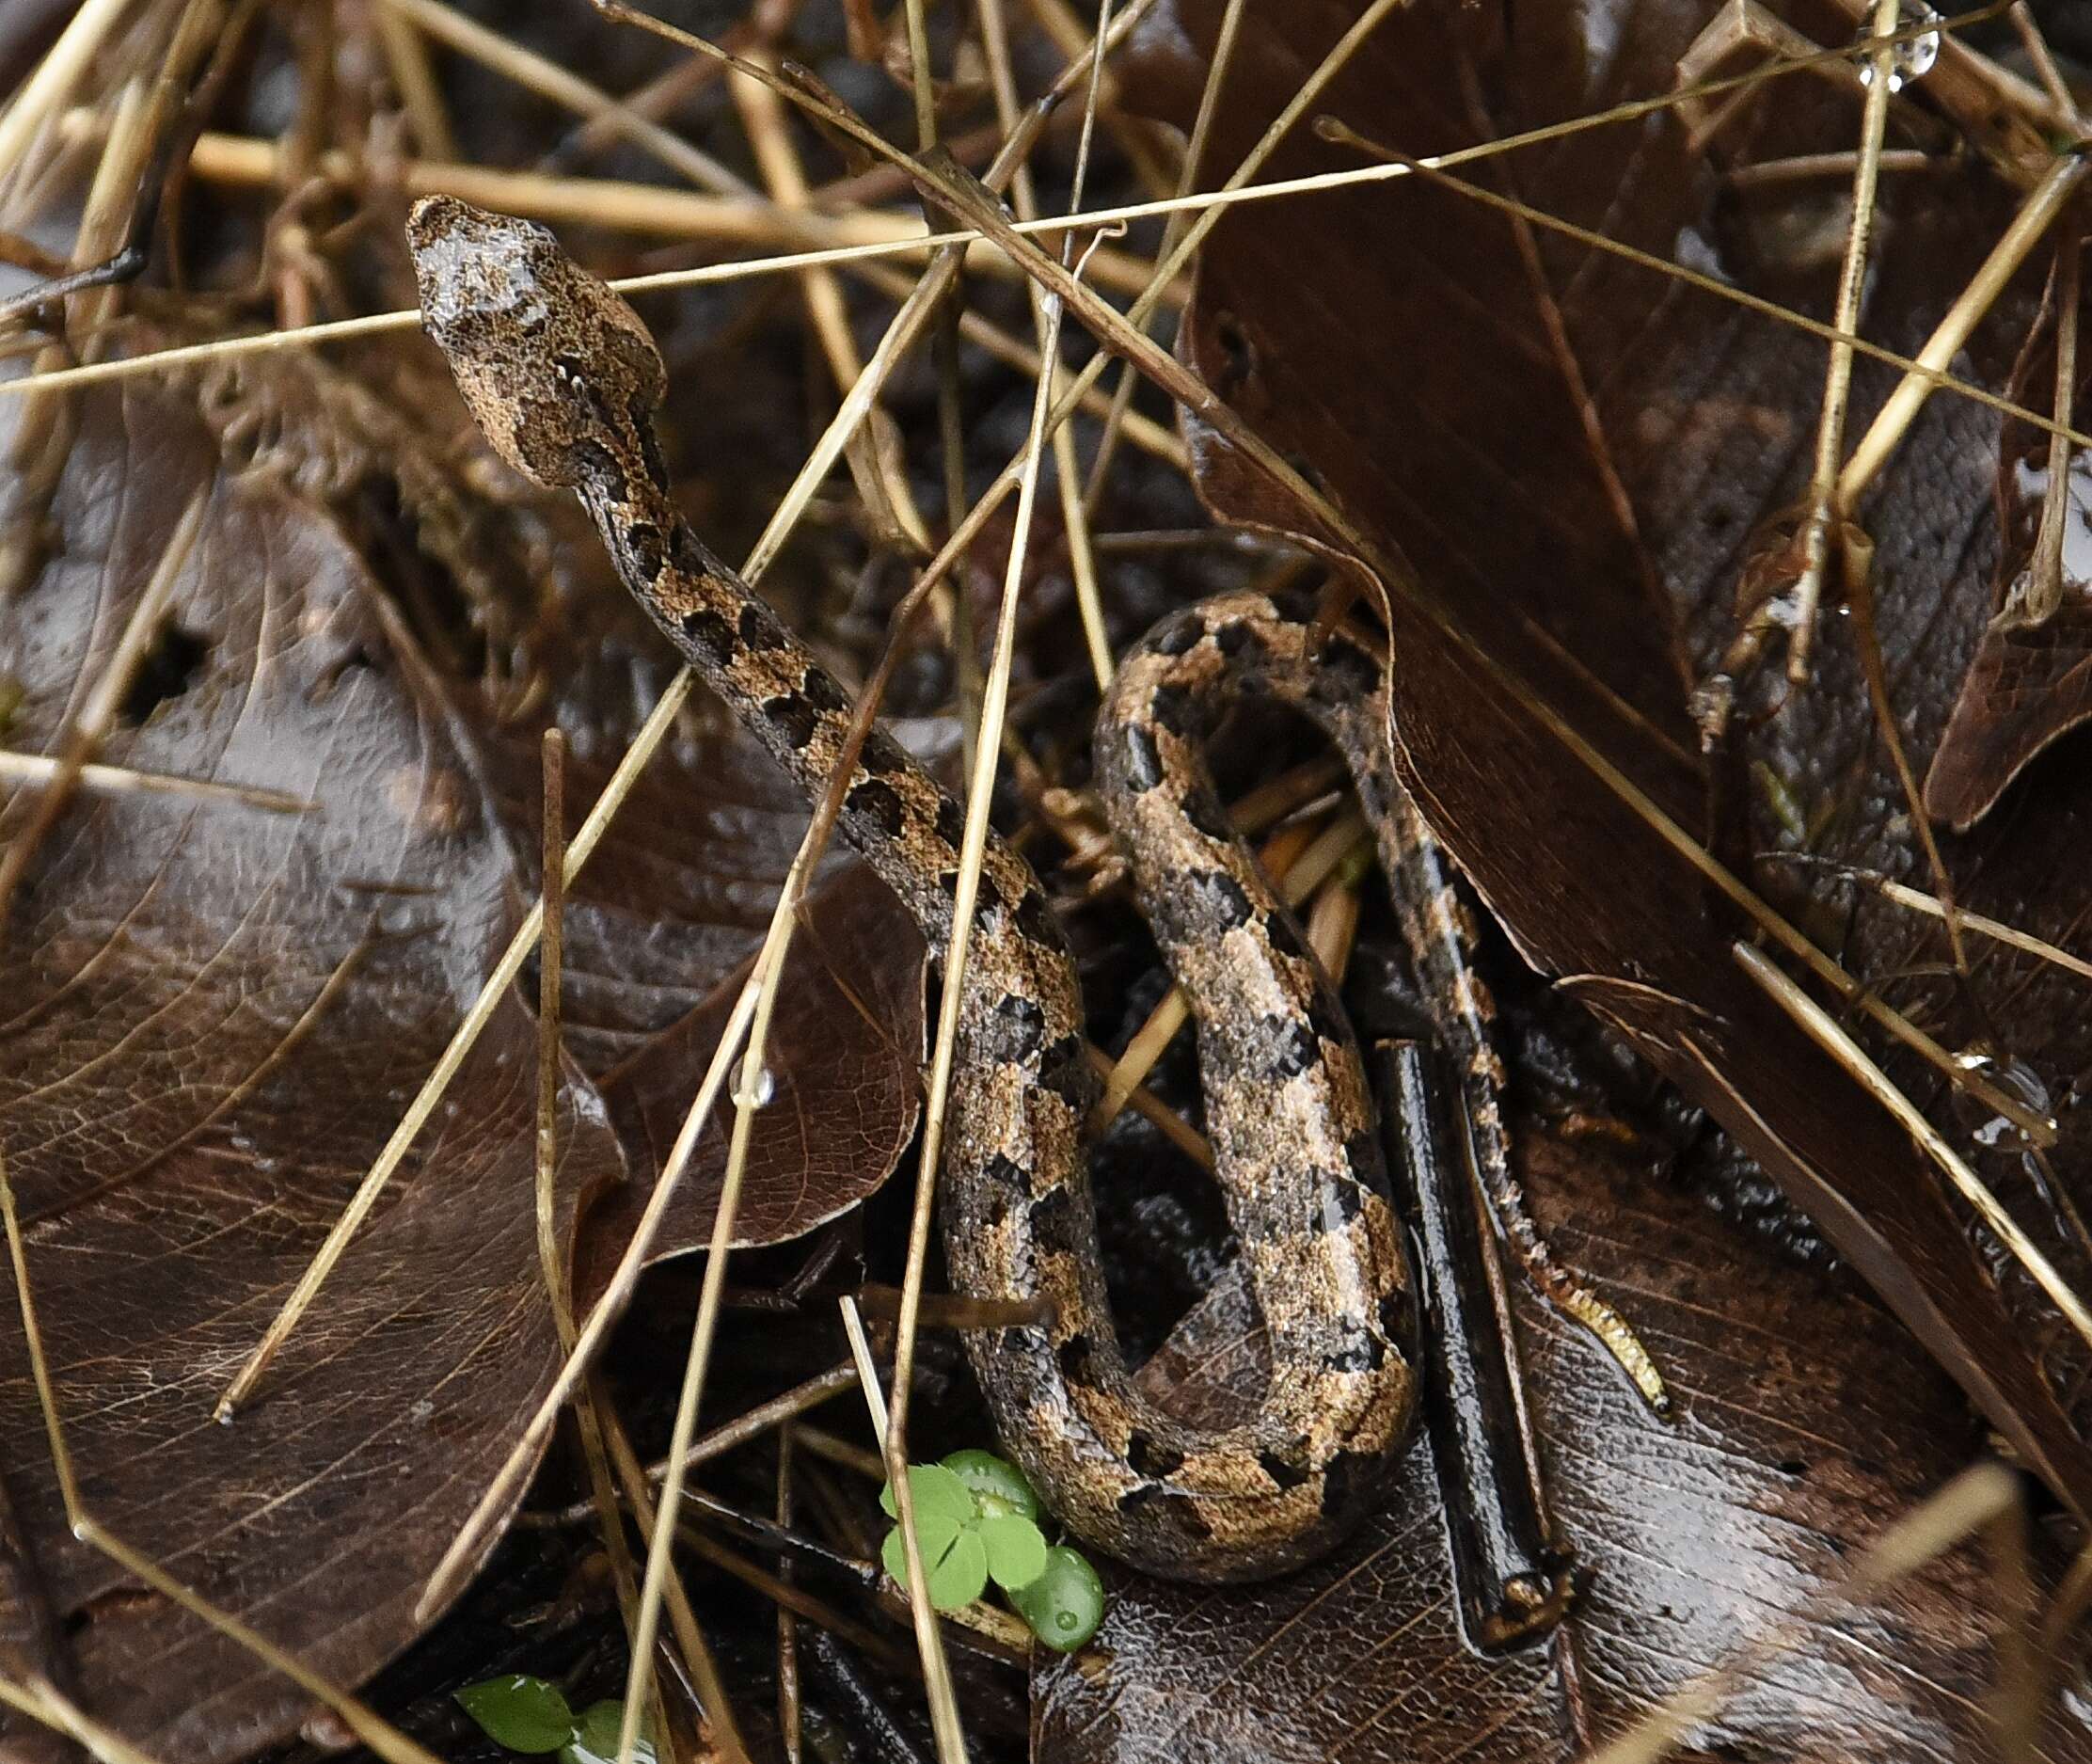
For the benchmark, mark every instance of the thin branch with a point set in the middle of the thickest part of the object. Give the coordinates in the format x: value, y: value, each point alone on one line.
x: 1837, y: 374
x: 122, y: 781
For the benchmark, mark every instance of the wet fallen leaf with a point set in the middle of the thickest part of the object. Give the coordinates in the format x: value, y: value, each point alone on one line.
x: 2030, y: 681
x: 221, y: 1010
x: 661, y: 927
x: 215, y: 1013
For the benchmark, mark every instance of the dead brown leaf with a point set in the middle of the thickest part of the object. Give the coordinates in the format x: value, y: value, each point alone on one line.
x: 214, y: 1014
x: 665, y: 923
x: 2029, y: 683
x: 222, y: 1009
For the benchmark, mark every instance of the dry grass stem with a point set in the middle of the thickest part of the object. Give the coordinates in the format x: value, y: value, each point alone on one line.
x: 590, y: 1407
x: 44, y: 1703
x: 882, y: 481
x: 1856, y: 559
x: 721, y: 222
x: 1153, y: 1110
x: 800, y: 1400
x: 1822, y: 517
x: 2036, y: 47
x: 1885, y: 434
x: 39, y: 1366
x: 384, y: 1739
x: 549, y: 80
x: 973, y: 847
x: 2044, y: 589
x: 1074, y: 517
x: 750, y: 1094
x: 1150, y: 436
x: 929, y: 1637
x: 1806, y: 167
x: 787, y: 1624
x: 551, y: 959
x: 38, y: 100
x: 1996, y: 929
x: 1331, y: 925
x: 798, y: 1601
x: 43, y: 768
x: 689, y: 1640
x: 1072, y: 35
x: 407, y: 58
x: 825, y: 1445
x: 1222, y: 58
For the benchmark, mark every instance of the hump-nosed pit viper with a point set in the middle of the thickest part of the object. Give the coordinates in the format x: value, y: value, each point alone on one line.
x: 563, y: 378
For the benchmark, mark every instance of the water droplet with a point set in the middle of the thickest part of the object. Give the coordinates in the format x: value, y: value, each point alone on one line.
x: 1912, y: 59
x: 1994, y: 1132
x: 764, y: 1089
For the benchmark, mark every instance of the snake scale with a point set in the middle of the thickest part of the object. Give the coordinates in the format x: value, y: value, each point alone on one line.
x: 563, y: 378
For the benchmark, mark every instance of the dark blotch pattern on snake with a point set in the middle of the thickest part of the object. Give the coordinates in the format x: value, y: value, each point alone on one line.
x: 562, y: 377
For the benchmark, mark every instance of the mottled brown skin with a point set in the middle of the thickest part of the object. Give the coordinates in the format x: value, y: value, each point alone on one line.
x: 563, y: 378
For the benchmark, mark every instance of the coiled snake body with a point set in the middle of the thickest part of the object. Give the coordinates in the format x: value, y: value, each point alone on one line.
x: 564, y: 377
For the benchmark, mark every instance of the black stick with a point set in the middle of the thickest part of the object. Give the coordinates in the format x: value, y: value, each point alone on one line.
x: 1512, y: 1578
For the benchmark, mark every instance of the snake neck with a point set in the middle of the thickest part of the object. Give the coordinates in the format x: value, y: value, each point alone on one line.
x: 905, y: 825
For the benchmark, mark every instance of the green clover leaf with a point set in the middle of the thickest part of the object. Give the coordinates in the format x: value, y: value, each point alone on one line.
x: 1016, y: 1551
x: 522, y: 1713
x: 998, y: 1485
x: 937, y: 1492
x: 976, y: 1519
x: 954, y: 1558
x: 1065, y: 1603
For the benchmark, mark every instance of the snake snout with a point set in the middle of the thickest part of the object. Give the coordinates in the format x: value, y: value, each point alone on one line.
x: 550, y: 360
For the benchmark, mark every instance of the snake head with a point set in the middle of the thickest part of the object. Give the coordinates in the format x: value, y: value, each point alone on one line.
x: 552, y: 363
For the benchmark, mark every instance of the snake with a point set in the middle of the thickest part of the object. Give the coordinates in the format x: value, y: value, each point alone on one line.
x: 564, y: 379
